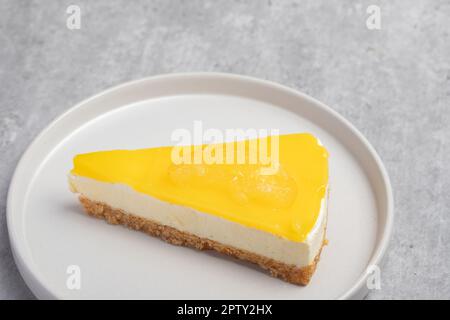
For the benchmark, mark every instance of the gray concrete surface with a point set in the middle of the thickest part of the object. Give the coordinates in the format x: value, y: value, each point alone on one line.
x: 393, y: 84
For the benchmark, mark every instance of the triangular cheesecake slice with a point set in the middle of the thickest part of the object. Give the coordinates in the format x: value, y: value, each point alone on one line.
x: 269, y: 207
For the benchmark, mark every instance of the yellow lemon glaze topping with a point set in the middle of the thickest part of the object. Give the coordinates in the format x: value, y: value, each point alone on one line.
x: 282, y: 196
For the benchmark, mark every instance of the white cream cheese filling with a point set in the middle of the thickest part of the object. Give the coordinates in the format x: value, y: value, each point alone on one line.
x: 120, y: 196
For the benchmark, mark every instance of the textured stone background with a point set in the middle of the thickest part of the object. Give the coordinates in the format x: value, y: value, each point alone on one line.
x: 393, y: 84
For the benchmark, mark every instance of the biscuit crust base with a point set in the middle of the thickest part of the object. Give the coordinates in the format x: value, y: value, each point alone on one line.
x: 289, y: 273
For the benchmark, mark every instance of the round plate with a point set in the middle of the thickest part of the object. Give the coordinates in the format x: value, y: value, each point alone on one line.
x: 56, y: 246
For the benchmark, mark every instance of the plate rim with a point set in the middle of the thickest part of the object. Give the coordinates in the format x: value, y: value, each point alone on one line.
x: 358, y: 290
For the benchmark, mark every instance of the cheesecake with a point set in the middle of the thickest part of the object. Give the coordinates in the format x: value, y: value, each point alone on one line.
x: 273, y: 214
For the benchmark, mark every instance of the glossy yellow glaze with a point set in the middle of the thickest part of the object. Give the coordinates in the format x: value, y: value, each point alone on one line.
x: 285, y: 201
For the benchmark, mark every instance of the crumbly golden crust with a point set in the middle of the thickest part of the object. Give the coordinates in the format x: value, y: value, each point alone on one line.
x: 289, y: 273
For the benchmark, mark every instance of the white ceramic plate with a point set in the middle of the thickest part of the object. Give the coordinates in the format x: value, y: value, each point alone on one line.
x: 49, y: 232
